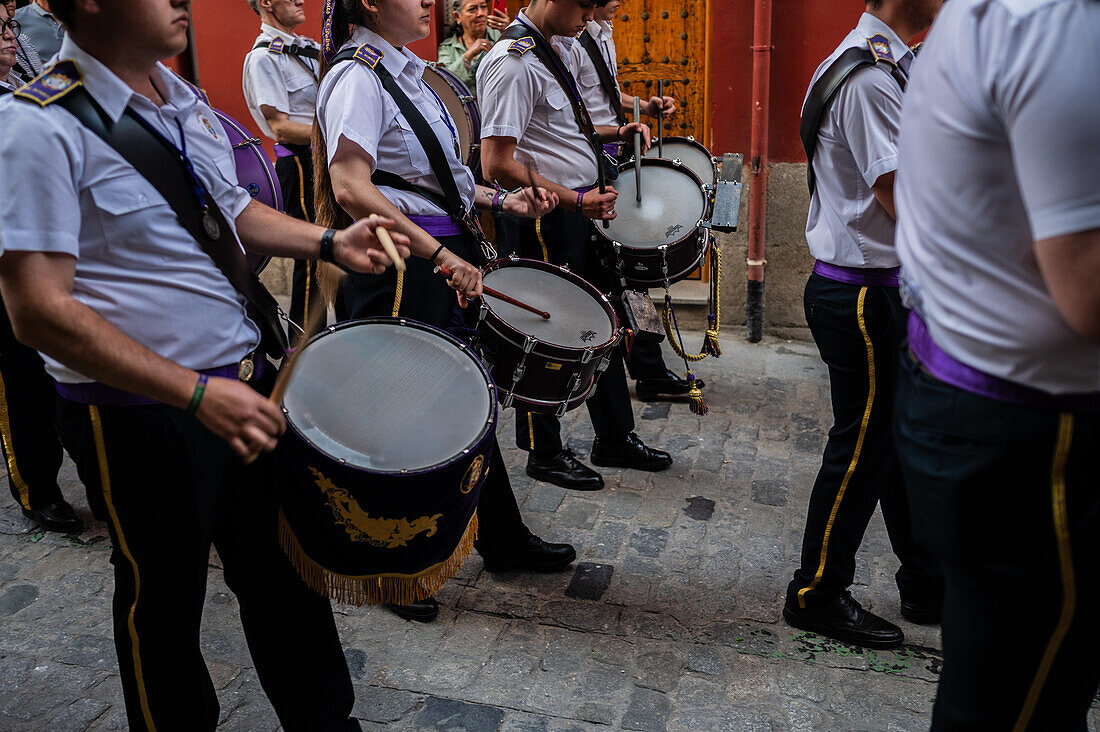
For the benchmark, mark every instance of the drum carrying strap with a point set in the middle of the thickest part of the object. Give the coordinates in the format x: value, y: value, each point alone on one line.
x: 607, y: 79
x: 300, y: 53
x: 823, y: 92
x: 168, y: 171
x: 452, y: 199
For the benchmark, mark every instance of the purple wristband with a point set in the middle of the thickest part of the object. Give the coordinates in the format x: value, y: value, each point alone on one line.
x: 580, y: 202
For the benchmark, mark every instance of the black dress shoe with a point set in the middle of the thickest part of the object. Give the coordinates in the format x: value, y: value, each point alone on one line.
x: 923, y: 612
x: 845, y: 620
x: 566, y: 470
x: 422, y: 611
x: 667, y: 387
x: 533, y: 554
x: 630, y: 453
x: 59, y: 517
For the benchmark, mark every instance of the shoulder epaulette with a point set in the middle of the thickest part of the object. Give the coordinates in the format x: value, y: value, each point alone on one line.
x: 276, y: 46
x: 521, y: 46
x: 880, y: 49
x: 199, y: 93
x: 368, y: 55
x: 53, y: 84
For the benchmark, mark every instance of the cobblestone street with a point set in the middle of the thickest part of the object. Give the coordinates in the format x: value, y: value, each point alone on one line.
x: 669, y: 620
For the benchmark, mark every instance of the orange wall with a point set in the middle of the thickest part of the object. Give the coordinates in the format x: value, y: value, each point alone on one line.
x: 225, y: 31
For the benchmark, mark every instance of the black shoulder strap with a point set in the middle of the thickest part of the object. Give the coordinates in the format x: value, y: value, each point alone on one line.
x: 452, y: 200
x: 607, y: 79
x: 4, y: 91
x: 819, y: 97
x: 550, y: 59
x: 164, y: 169
x: 298, y: 52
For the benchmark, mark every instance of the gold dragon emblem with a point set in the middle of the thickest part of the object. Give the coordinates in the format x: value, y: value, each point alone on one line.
x: 383, y: 533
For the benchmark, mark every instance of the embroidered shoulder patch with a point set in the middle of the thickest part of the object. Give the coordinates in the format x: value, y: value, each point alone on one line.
x: 368, y: 55
x: 276, y: 47
x: 53, y: 84
x: 880, y: 49
x: 522, y: 45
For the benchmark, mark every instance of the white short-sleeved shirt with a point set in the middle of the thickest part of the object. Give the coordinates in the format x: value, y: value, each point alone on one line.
x: 592, y: 91
x: 352, y: 104
x: 1000, y: 148
x: 857, y: 145
x: 521, y: 99
x: 135, y: 265
x: 282, y: 81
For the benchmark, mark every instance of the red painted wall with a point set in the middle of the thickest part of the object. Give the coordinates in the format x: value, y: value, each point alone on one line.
x: 224, y: 33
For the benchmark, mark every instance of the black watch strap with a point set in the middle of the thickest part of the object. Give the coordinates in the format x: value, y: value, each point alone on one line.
x: 328, y: 244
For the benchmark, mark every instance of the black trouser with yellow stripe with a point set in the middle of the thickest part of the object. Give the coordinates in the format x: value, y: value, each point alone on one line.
x: 858, y: 331
x: 27, y: 415
x: 296, y: 182
x: 1008, y: 497
x: 167, y: 488
x: 567, y: 238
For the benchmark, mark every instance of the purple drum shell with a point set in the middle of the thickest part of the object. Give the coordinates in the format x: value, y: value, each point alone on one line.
x: 255, y: 173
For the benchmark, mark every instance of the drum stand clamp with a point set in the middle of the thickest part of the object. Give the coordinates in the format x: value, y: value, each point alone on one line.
x: 727, y: 195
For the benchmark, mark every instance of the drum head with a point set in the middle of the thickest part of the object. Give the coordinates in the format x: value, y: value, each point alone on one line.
x: 388, y: 396
x: 672, y: 205
x: 444, y: 87
x: 690, y: 153
x: 577, y: 319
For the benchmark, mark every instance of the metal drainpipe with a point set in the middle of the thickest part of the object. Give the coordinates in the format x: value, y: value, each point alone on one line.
x: 758, y: 194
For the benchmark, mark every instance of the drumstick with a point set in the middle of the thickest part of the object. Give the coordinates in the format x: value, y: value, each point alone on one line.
x: 601, y: 175
x: 390, y: 249
x: 446, y: 272
x: 661, y: 119
x: 637, y: 152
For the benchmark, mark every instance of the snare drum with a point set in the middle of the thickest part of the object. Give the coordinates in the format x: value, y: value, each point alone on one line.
x: 690, y: 153
x: 392, y: 424
x: 660, y: 240
x: 462, y: 105
x: 255, y: 173
x: 545, y: 366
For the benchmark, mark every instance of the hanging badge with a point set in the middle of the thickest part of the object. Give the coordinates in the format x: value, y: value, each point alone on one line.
x: 211, y: 226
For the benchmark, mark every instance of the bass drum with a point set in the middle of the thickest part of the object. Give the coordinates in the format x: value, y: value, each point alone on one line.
x: 660, y: 240
x: 392, y: 424
x: 255, y: 173
x: 462, y: 105
x: 689, y: 152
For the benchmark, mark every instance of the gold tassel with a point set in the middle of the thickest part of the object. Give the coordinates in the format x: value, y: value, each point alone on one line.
x: 695, y: 397
x: 375, y: 589
x: 710, y: 340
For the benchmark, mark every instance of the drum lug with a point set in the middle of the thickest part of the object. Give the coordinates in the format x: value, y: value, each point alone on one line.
x: 663, y: 249
x: 561, y: 410
x: 482, y: 312
x: 587, y: 355
x: 604, y: 363
x: 506, y: 400
x: 518, y: 373
x: 529, y: 345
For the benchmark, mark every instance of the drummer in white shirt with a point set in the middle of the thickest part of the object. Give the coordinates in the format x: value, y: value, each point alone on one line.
x: 595, y: 58
x: 998, y: 409
x: 280, y: 88
x: 531, y: 121
x: 377, y: 163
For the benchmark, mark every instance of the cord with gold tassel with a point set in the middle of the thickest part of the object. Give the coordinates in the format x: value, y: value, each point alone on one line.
x: 714, y: 318
x: 695, y: 395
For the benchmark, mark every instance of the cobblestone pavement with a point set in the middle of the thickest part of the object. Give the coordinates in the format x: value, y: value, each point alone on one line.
x: 669, y: 621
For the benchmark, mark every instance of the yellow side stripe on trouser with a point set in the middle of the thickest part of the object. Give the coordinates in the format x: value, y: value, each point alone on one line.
x: 542, y: 242
x: 105, y: 479
x: 531, y: 429
x: 1069, y: 589
x: 855, y: 455
x: 305, y: 306
x: 9, y: 449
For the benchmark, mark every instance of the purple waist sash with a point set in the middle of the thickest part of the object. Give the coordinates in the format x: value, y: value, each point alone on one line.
x: 611, y: 148
x: 947, y: 369
x: 102, y: 395
x: 437, y: 226
x: 857, y: 275
x: 284, y: 151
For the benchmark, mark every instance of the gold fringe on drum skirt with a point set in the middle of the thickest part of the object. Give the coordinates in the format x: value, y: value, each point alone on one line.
x: 375, y: 589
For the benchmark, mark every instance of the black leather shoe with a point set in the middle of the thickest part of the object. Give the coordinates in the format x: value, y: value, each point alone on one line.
x: 422, y: 611
x: 667, y: 387
x: 843, y: 619
x: 566, y: 470
x: 631, y: 453
x: 534, y: 555
x: 923, y: 612
x: 59, y: 517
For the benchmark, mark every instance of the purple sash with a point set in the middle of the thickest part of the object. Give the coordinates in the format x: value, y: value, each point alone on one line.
x: 437, y: 226
x: 282, y: 151
x: 857, y: 275
x: 947, y: 369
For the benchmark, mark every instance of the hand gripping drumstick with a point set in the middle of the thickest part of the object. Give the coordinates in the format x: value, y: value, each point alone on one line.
x: 638, y: 152
x: 601, y: 176
x: 446, y: 272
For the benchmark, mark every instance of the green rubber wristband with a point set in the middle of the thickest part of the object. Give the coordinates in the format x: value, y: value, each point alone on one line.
x: 196, y: 397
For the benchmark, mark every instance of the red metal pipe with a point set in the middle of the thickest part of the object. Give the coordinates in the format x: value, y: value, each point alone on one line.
x: 758, y: 191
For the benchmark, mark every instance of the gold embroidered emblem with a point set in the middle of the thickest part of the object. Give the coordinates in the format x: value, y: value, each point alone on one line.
x: 57, y: 82
x: 473, y: 474
x: 383, y: 533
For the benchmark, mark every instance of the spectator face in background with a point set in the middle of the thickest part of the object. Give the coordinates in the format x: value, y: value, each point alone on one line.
x: 8, y: 44
x: 473, y: 17
x: 10, y: 5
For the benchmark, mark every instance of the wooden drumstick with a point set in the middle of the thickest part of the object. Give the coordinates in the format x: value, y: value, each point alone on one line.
x: 601, y: 175
x: 637, y: 152
x: 389, y: 248
x: 661, y: 119
x: 446, y: 272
